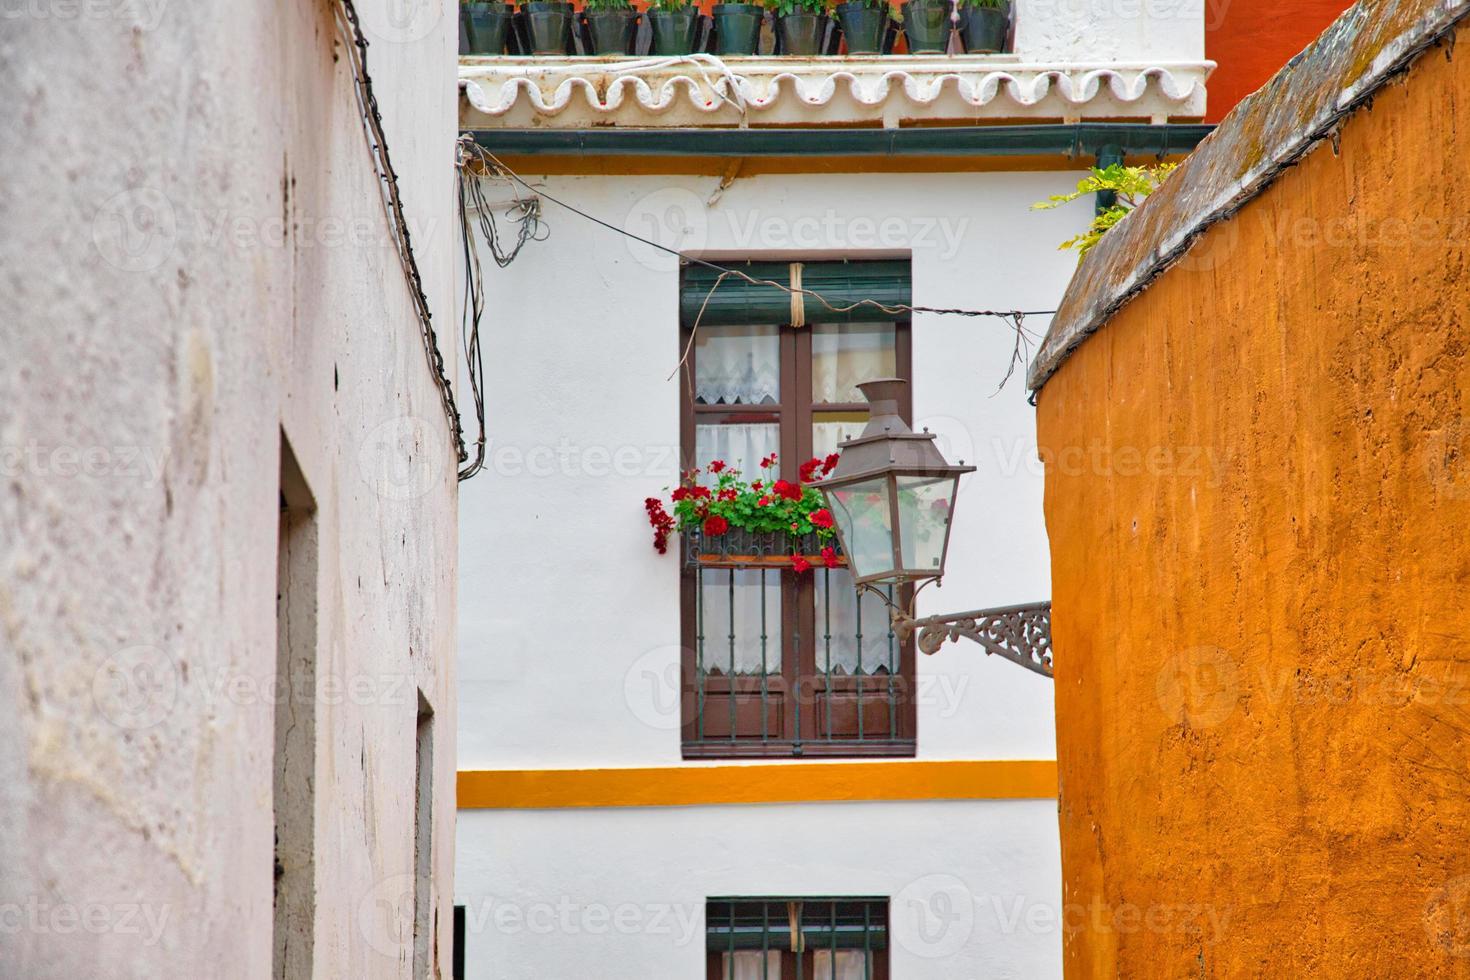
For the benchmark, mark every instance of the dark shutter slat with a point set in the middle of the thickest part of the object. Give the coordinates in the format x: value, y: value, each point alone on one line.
x: 841, y: 283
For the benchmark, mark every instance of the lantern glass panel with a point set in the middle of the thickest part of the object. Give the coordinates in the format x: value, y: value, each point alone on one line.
x: 924, y: 504
x: 865, y: 521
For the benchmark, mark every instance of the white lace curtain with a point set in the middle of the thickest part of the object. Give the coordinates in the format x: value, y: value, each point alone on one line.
x: 740, y: 444
x: 844, y: 354
x: 848, y: 965
x: 737, y: 365
x: 747, y: 965
x: 741, y: 365
x: 837, y: 616
x: 732, y: 605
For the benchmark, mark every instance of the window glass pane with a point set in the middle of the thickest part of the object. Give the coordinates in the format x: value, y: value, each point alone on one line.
x: 923, y: 514
x: 844, y: 354
x: 830, y: 429
x: 744, y: 603
x: 753, y: 965
x: 850, y: 637
x: 737, y: 365
x: 740, y: 444
x: 844, y: 964
x: 862, y: 515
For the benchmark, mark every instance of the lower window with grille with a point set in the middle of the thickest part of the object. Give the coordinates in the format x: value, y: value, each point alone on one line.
x: 797, y: 938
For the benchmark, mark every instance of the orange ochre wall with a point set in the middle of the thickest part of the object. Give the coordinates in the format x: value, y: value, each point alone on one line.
x: 1250, y: 40
x: 1258, y: 500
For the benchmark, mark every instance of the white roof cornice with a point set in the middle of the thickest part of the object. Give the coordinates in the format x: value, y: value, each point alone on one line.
x: 702, y: 90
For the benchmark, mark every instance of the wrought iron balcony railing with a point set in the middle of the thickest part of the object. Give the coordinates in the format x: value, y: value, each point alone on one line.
x: 781, y: 663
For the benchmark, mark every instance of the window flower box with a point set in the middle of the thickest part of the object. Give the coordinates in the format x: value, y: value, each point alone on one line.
x: 727, y: 520
x: 738, y: 548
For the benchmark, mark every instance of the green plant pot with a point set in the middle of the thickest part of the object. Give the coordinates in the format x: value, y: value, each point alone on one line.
x: 549, y: 25
x: 801, y: 33
x: 673, y: 30
x: 611, y: 30
x: 926, y: 25
x: 862, y: 26
x: 984, y: 29
x: 737, y: 28
x: 482, y: 27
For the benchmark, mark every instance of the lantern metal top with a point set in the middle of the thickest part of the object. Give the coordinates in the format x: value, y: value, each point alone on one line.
x: 887, y: 444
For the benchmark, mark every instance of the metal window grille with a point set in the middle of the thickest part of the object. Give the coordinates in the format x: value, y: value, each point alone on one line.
x: 804, y: 938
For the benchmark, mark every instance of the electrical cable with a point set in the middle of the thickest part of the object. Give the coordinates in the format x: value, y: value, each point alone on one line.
x: 377, y: 140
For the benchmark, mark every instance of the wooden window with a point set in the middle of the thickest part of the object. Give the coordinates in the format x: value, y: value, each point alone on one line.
x: 777, y: 663
x: 796, y: 939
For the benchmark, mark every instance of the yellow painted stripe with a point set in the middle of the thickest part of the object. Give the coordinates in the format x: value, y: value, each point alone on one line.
x: 805, y: 782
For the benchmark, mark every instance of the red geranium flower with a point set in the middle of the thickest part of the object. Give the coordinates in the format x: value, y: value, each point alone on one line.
x: 757, y: 486
x: 699, y: 492
x: 715, y: 525
x: 829, y: 556
x: 662, y: 523
x: 768, y: 462
x: 728, y: 493
x: 763, y: 502
x: 787, y: 489
x: 821, y: 518
x: 809, y: 470
x: 717, y: 466
x: 829, y: 464
x: 800, y: 564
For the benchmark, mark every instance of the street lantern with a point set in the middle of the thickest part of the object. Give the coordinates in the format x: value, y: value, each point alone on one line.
x: 891, y: 495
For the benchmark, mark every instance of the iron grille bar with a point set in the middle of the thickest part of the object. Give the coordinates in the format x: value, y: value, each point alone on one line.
x: 765, y: 728
x: 827, y: 638
x: 859, y: 678
x: 699, y: 673
x: 731, y: 678
x: 892, y: 699
x: 787, y: 688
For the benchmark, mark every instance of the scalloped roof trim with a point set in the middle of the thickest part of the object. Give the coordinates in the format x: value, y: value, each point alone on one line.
x: 710, y: 85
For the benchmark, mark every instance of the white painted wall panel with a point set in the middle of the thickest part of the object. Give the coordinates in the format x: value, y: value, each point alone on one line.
x: 974, y: 887
x: 569, y: 621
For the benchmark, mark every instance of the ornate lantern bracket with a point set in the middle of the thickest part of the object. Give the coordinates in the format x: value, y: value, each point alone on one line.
x: 1020, y: 634
x: 891, y: 496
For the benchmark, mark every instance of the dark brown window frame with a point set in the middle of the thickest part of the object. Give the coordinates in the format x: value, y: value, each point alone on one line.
x: 801, y: 686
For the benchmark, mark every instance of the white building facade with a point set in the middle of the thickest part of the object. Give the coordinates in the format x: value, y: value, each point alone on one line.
x: 622, y: 814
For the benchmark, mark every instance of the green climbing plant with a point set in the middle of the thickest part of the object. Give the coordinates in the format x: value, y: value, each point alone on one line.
x: 1130, y: 185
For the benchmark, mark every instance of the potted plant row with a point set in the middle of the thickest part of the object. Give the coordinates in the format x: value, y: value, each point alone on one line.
x: 801, y: 27
x: 983, y: 25
x: 730, y: 520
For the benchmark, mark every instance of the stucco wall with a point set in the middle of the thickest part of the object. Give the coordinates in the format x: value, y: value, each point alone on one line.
x: 1256, y: 502
x: 567, y: 608
x: 619, y: 894
x: 195, y: 259
x: 569, y: 627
